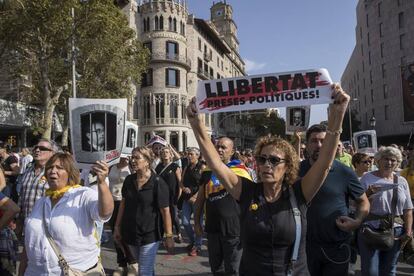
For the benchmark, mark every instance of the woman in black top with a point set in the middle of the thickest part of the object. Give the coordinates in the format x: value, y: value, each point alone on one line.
x: 171, y: 173
x: 267, y: 220
x: 144, y: 207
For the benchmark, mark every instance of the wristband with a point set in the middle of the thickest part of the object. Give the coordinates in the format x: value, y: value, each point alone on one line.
x: 334, y: 132
x: 166, y: 235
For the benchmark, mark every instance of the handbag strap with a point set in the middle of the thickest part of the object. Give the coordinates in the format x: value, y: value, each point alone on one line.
x: 61, y: 260
x: 298, y: 230
x: 394, y: 201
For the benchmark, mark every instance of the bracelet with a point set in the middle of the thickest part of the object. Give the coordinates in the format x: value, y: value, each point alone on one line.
x: 166, y: 235
x: 334, y: 132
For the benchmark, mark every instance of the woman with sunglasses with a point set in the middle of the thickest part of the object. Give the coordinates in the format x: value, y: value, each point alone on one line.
x: 267, y: 219
x: 361, y: 163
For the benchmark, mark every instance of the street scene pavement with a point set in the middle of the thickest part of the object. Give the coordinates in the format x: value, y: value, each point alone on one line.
x: 181, y: 264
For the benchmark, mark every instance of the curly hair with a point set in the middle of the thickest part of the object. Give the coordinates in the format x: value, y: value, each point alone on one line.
x: 66, y: 160
x: 291, y: 157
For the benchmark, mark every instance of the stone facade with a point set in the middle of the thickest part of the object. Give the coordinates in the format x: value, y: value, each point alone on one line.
x: 384, y: 39
x: 184, y: 50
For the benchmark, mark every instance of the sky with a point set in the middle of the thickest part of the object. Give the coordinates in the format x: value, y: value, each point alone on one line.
x: 288, y: 35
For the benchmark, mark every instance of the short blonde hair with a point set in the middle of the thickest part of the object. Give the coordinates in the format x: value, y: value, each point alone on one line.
x: 291, y: 157
x: 387, y: 152
x: 68, y: 164
x: 146, y: 152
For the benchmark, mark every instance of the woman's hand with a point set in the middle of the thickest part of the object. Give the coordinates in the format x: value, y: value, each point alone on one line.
x: 372, y: 190
x: 340, y: 100
x: 101, y: 169
x: 192, y: 112
x: 169, y: 244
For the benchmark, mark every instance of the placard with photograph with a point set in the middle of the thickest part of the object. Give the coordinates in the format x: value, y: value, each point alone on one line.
x: 130, y: 139
x: 297, y: 118
x: 366, y: 141
x: 97, y: 130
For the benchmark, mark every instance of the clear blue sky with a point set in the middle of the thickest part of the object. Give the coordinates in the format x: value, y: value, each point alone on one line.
x: 286, y: 35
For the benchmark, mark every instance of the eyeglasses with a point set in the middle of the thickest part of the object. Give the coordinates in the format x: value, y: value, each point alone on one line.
x: 366, y: 162
x: 273, y: 160
x: 41, y: 148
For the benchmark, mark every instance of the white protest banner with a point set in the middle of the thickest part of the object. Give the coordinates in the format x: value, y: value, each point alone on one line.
x: 366, y: 141
x: 297, y: 118
x: 97, y: 130
x: 130, y: 138
x: 296, y: 88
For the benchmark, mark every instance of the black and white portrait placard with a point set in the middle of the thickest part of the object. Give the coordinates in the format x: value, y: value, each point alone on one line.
x: 366, y: 141
x: 297, y: 118
x: 97, y: 130
x: 130, y: 138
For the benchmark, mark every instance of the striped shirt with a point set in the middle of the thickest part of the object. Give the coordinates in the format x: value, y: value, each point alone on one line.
x: 33, y: 187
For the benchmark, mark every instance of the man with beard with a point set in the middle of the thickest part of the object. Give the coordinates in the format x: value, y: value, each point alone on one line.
x: 222, y: 215
x: 329, y: 226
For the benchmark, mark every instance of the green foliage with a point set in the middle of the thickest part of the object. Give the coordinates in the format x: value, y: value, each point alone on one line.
x: 266, y: 123
x: 36, y: 40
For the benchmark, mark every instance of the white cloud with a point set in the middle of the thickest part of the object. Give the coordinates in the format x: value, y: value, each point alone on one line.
x: 252, y: 66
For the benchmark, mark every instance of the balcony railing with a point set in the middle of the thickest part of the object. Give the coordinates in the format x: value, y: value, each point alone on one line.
x: 161, y: 56
x: 203, y: 74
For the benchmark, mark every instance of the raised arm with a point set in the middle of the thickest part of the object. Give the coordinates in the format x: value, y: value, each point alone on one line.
x: 315, y: 177
x: 228, y: 178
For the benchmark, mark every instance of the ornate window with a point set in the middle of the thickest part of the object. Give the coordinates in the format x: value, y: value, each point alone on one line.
x: 173, y: 102
x: 183, y: 109
x: 147, y: 109
x: 159, y: 108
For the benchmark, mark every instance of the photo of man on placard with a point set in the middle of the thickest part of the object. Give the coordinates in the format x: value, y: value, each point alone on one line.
x: 364, y: 141
x: 297, y: 117
x: 94, y: 127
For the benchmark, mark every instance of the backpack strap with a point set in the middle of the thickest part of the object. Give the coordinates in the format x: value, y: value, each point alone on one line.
x: 298, y: 230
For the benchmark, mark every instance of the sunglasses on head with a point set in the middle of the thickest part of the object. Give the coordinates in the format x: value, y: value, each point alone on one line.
x: 273, y: 160
x: 41, y: 148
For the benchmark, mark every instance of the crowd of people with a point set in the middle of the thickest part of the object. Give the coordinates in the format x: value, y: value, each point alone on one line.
x: 285, y: 208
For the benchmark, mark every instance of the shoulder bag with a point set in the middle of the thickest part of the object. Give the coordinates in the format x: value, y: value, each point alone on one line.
x: 383, y: 238
x: 97, y: 270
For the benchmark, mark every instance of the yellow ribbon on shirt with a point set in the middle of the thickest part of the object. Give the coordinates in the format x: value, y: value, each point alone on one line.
x: 56, y: 194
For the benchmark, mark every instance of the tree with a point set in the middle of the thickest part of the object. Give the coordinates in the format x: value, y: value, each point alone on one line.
x: 36, y: 38
x: 265, y: 123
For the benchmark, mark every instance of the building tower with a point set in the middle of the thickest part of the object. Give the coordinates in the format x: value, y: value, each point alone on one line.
x: 162, y: 97
x: 222, y: 18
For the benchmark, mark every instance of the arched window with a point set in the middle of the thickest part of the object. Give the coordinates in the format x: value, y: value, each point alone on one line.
x: 161, y: 22
x: 156, y: 23
x: 175, y: 25
x: 170, y: 25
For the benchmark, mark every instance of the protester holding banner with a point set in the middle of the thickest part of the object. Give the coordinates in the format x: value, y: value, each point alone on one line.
x: 271, y: 244
x: 391, y: 208
x: 144, y: 212
x: 63, y: 222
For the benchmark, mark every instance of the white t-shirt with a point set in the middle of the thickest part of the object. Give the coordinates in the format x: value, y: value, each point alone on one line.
x: 381, y: 201
x: 116, y: 180
x: 71, y: 224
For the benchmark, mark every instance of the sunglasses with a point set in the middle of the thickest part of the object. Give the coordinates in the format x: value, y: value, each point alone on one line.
x: 41, y: 148
x: 367, y: 162
x: 273, y: 160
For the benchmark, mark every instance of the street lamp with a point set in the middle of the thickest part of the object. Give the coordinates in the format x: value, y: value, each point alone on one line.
x: 350, y: 118
x: 372, y: 122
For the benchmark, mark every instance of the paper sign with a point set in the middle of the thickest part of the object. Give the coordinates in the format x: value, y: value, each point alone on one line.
x: 130, y: 138
x: 97, y: 130
x: 366, y: 141
x: 297, y: 118
x: 296, y: 88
